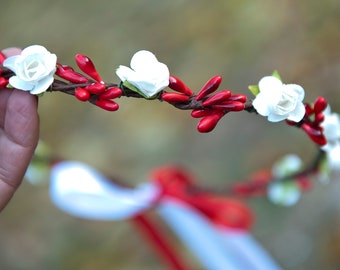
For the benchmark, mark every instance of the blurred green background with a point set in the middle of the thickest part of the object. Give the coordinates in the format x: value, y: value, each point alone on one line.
x: 240, y: 40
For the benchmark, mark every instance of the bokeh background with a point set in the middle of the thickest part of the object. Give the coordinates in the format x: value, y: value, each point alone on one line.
x: 240, y: 40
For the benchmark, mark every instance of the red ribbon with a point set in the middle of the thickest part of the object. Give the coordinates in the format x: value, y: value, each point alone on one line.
x: 221, y: 210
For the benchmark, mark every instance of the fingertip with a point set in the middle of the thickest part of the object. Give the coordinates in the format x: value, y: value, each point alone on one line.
x: 22, y: 119
x: 8, y: 52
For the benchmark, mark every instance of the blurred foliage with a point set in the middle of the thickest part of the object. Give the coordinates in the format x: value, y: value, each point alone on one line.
x: 240, y: 40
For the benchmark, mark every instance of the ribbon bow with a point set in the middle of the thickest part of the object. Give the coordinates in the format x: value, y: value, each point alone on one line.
x: 222, y: 211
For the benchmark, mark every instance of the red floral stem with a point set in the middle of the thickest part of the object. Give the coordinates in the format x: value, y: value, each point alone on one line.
x: 157, y: 240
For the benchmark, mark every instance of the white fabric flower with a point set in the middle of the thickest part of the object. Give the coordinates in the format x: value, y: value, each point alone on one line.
x: 146, y: 73
x: 279, y: 101
x: 34, y: 69
x: 285, y: 193
x: 289, y: 164
x: 331, y: 126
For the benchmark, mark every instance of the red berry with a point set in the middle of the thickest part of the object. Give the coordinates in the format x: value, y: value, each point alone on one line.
x: 198, y: 113
x: 320, y: 104
x: 174, y: 97
x: 208, y: 123
x: 111, y: 93
x: 87, y: 66
x: 315, y: 133
x: 96, y: 88
x: 319, y: 117
x: 217, y: 98
x: 70, y: 75
x: 3, y: 82
x: 209, y: 87
x: 177, y: 85
x: 238, y: 97
x: 233, y: 106
x: 82, y: 94
x: 107, y: 105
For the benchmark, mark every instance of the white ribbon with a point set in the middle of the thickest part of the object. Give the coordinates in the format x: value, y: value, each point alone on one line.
x: 81, y: 191
x: 215, y: 248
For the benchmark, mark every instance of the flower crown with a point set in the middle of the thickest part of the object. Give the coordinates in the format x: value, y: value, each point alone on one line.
x: 37, y: 70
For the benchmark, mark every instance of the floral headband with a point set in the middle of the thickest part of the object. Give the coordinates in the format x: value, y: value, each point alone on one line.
x: 37, y: 70
x: 173, y: 191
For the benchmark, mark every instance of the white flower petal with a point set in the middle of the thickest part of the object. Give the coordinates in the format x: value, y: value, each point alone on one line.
x: 143, y: 59
x: 261, y: 105
x: 331, y: 126
x: 272, y: 117
x: 10, y: 62
x: 270, y: 84
x: 296, y: 89
x: 17, y: 83
x: 298, y: 113
x: 124, y: 73
x: 333, y: 157
x: 50, y: 61
x: 42, y: 86
x: 34, y: 49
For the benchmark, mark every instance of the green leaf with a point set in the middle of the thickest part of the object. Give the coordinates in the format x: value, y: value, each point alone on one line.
x: 324, y: 166
x: 254, y: 89
x: 135, y: 89
x: 276, y: 75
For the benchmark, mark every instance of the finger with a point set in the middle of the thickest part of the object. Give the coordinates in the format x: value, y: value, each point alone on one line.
x: 8, y: 52
x: 18, y: 140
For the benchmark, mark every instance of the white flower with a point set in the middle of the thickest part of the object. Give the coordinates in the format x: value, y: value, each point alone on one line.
x: 285, y: 193
x: 279, y: 101
x: 333, y: 157
x: 331, y: 126
x: 287, y: 165
x: 34, y: 69
x: 147, y: 74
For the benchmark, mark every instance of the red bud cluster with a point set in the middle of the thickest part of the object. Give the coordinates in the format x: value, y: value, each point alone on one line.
x: 311, y: 123
x: 215, y: 106
x: 210, y: 107
x: 103, y: 97
x: 95, y: 91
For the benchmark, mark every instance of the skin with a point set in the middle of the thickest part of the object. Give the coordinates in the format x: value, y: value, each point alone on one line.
x: 19, y: 134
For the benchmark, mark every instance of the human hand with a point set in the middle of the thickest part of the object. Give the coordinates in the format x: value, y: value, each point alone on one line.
x: 19, y: 134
